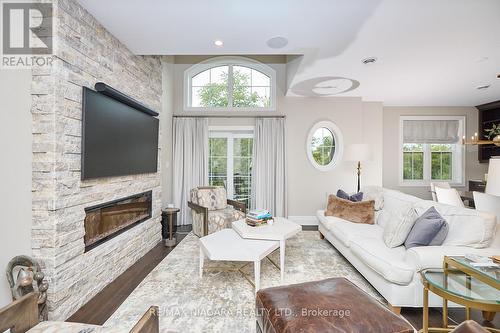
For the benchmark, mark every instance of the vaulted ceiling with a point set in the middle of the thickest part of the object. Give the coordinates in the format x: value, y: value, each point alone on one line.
x: 429, y: 52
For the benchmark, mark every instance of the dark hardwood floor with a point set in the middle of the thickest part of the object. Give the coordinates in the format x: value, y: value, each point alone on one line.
x: 106, y: 302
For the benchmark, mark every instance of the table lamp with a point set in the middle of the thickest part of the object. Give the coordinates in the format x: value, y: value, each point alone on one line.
x: 358, y: 152
x: 493, y: 183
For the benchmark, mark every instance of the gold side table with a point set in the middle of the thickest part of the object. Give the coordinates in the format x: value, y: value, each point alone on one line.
x: 464, y: 284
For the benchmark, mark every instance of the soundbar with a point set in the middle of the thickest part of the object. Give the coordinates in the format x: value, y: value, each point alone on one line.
x: 104, y: 89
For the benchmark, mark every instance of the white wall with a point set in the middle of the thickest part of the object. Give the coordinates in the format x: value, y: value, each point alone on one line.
x: 15, y: 170
x: 473, y: 169
x: 360, y: 122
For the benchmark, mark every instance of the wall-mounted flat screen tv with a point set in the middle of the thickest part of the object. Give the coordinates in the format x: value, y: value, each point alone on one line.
x: 117, y: 139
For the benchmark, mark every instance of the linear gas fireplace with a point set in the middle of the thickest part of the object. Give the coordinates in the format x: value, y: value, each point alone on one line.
x: 105, y: 221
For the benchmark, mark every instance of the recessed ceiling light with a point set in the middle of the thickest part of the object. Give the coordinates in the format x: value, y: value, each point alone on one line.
x: 498, y: 76
x: 277, y: 42
x: 369, y: 61
x: 485, y: 86
x: 218, y: 43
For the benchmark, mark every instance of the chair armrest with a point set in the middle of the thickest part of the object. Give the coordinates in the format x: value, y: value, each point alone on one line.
x: 197, y: 208
x: 237, y: 205
x: 201, y: 210
x: 20, y: 315
x: 149, y: 322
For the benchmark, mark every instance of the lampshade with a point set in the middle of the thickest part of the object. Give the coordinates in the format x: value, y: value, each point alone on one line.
x: 493, y: 184
x: 358, y: 152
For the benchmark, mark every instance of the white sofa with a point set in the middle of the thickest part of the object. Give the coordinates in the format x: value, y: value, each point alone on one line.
x: 394, y: 271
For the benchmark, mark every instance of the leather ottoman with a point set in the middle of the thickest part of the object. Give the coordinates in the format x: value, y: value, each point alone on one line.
x: 331, y: 305
x: 469, y: 326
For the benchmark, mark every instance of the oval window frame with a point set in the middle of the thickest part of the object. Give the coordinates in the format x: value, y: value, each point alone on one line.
x: 339, y: 145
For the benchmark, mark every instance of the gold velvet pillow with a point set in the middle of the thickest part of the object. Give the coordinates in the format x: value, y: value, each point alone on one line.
x: 357, y: 212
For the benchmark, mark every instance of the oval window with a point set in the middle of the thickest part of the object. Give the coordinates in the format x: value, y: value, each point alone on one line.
x: 324, y: 145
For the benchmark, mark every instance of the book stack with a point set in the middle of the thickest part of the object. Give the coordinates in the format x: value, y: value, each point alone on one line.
x: 258, y: 217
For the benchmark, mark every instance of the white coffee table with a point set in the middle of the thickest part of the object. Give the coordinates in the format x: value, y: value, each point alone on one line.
x: 227, y: 245
x: 280, y: 230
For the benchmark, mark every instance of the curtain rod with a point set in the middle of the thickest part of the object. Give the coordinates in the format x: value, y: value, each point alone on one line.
x: 224, y: 116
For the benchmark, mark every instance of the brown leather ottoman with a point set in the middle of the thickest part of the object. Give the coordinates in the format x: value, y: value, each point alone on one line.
x: 331, y: 305
x: 469, y: 326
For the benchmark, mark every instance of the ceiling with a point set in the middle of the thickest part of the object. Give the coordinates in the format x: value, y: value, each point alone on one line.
x: 429, y: 52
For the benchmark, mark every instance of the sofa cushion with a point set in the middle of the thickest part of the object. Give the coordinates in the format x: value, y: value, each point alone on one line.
x: 388, y: 262
x: 357, y: 212
x: 345, y: 231
x: 397, y: 224
x: 394, y: 199
x: 467, y: 227
x: 423, y: 257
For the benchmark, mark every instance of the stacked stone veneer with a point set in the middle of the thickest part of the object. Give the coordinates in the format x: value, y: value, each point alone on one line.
x: 84, y: 54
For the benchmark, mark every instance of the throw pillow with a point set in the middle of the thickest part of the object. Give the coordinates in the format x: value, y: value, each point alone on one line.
x: 357, y: 212
x: 429, y: 228
x: 441, y: 235
x: 375, y: 193
x: 354, y: 198
x: 397, y: 225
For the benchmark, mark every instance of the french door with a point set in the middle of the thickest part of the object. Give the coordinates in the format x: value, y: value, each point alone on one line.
x: 230, y: 162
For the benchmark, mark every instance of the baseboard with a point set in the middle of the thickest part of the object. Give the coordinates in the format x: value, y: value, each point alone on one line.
x: 304, y: 220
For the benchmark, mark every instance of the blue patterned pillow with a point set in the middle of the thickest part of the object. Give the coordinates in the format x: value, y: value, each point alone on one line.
x: 354, y: 198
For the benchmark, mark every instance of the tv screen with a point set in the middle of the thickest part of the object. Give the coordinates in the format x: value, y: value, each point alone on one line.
x: 117, y: 139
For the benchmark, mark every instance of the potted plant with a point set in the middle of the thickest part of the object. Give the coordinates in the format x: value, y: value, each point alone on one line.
x: 494, y: 134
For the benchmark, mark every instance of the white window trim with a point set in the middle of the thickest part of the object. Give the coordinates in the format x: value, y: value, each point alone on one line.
x: 229, y: 61
x: 339, y: 145
x: 230, y: 133
x: 460, y: 151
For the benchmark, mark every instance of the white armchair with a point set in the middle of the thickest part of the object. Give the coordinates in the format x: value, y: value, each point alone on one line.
x: 491, y: 204
x: 441, y: 185
x: 448, y: 196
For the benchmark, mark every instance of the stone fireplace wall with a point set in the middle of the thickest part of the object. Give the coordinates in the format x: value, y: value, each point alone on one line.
x: 85, y: 53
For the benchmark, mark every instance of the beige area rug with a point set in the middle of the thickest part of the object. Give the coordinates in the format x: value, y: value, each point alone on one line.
x: 225, y: 301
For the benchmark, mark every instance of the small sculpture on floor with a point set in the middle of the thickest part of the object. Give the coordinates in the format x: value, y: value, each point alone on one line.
x: 24, y: 276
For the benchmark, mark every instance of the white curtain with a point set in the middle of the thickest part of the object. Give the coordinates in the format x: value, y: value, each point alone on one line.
x: 430, y: 131
x: 269, y: 170
x: 190, y: 154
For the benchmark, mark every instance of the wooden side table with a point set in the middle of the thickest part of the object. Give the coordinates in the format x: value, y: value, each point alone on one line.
x: 169, y: 218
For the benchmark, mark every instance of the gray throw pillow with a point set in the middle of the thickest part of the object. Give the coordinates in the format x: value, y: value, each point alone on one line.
x: 354, y: 198
x: 441, y: 235
x: 429, y: 229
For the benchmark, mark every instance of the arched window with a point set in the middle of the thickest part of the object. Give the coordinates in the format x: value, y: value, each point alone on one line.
x: 230, y: 84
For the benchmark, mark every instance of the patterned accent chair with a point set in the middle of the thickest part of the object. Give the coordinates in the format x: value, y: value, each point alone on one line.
x: 212, y: 211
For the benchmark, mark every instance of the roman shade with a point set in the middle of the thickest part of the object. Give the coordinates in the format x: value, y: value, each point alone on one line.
x: 430, y: 131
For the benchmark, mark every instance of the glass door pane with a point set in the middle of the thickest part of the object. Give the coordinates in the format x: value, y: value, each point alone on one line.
x: 242, y: 169
x: 217, y: 162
